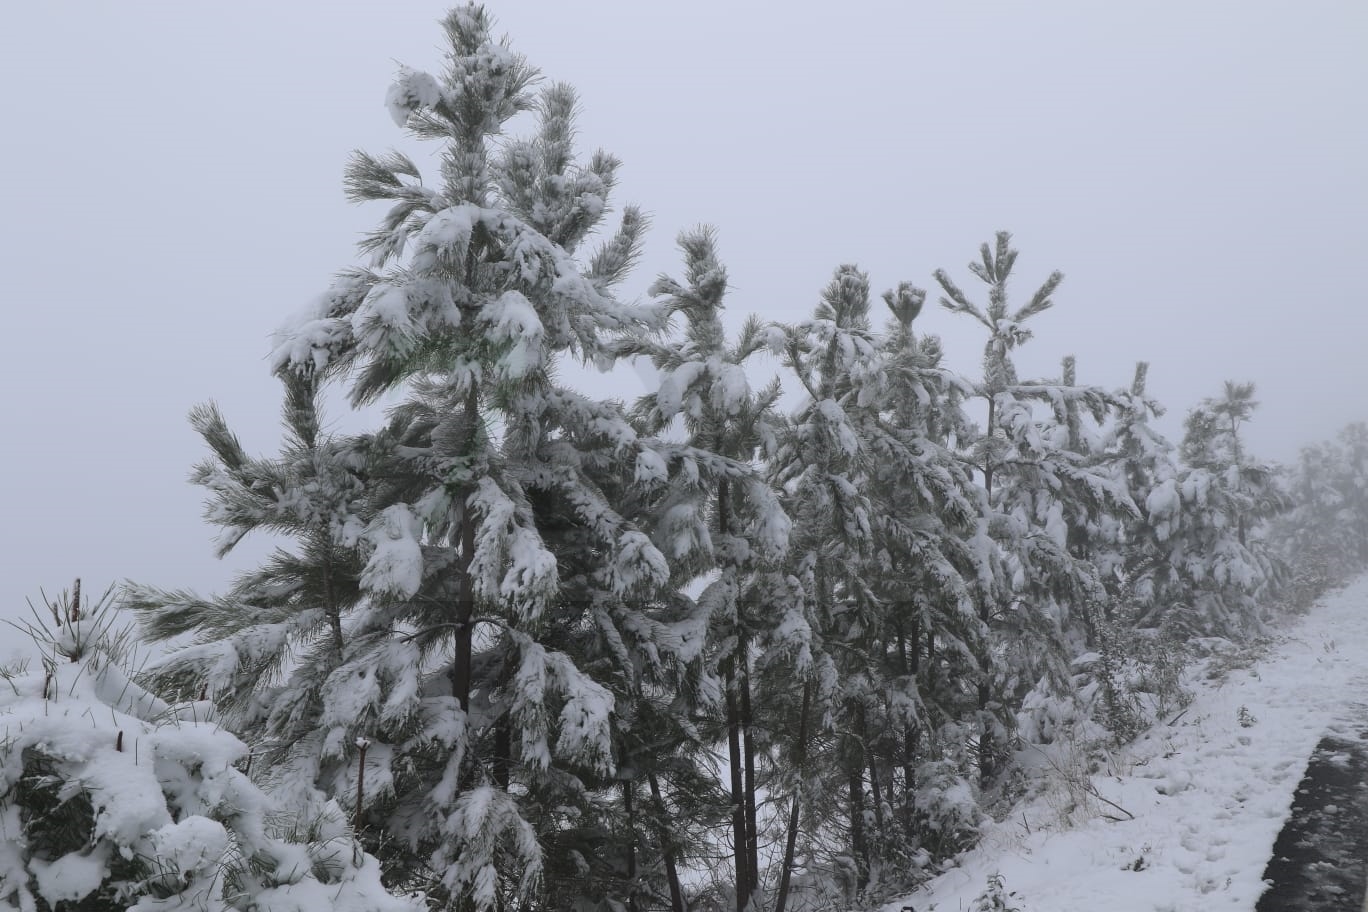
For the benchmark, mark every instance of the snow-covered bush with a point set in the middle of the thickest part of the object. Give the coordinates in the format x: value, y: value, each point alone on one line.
x: 995, y: 897
x: 1115, y: 692
x: 112, y: 798
x: 948, y: 815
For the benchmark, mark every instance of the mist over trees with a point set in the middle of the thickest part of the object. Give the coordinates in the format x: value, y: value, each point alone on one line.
x: 522, y: 648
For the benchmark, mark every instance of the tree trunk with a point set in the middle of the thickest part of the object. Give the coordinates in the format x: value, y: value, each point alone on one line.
x: 876, y: 792
x: 912, y: 667
x: 465, y: 603
x: 330, y: 596
x: 859, y: 848
x: 503, y: 751
x: 987, y: 765
x: 465, y: 612
x: 988, y: 452
x: 909, y: 807
x: 748, y: 742
x: 738, y: 801
x: 628, y: 806
x: 666, y: 848
x: 742, y: 751
x: 985, y: 691
x: 800, y: 761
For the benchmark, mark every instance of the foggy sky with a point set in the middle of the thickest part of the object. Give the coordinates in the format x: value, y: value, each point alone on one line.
x: 171, y: 192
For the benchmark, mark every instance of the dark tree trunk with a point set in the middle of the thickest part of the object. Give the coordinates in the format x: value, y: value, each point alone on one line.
x: 912, y: 666
x: 791, y: 839
x: 876, y: 792
x: 629, y: 806
x: 503, y: 752
x: 987, y: 747
x: 738, y: 788
x: 748, y: 743
x: 909, y: 807
x: 330, y: 596
x: 859, y: 847
x: 739, y: 740
x: 855, y: 768
x: 465, y: 604
x: 666, y: 848
x: 465, y: 612
x: 985, y: 691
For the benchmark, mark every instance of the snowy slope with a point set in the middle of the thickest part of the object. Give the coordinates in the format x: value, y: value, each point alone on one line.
x: 1209, y: 792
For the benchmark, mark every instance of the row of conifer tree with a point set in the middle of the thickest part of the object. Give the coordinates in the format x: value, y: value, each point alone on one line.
x: 524, y: 648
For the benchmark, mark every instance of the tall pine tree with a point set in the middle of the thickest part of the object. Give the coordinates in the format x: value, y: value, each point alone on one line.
x: 467, y: 716
x: 1038, y: 489
x: 719, y: 521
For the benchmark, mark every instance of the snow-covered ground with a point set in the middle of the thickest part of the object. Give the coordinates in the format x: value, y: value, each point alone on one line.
x: 1209, y: 792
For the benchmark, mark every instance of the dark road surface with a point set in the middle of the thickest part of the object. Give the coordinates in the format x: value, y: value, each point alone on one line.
x: 1320, y: 860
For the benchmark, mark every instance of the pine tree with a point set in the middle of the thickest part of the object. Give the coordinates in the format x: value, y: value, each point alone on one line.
x: 290, y: 611
x: 1142, y: 459
x: 1324, y: 538
x: 720, y: 519
x: 1311, y: 535
x: 820, y: 462
x: 1212, y: 561
x: 883, y: 513
x: 467, y: 720
x: 1038, y: 489
x: 926, y: 511
x: 1352, y: 482
x: 112, y: 798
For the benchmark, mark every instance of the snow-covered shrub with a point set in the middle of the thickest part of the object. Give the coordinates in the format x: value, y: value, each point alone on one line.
x: 995, y: 897
x: 948, y: 815
x: 1132, y: 679
x: 1314, y: 572
x: 1140, y: 679
x: 112, y: 798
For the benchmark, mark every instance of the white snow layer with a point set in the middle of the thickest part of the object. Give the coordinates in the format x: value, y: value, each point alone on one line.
x: 396, y: 563
x: 162, y: 788
x: 412, y: 90
x: 1210, y: 790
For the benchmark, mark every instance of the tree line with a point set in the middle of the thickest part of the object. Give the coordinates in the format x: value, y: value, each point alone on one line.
x: 526, y: 649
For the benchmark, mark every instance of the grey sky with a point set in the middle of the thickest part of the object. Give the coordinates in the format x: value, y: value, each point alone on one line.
x: 171, y: 192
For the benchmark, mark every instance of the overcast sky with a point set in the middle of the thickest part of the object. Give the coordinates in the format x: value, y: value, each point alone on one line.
x: 171, y: 191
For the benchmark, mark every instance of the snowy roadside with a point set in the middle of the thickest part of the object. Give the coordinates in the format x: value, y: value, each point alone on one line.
x: 1209, y: 792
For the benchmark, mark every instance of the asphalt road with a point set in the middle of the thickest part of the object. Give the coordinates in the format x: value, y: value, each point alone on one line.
x: 1320, y: 859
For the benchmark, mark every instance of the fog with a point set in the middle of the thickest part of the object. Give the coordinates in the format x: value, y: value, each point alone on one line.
x: 171, y: 186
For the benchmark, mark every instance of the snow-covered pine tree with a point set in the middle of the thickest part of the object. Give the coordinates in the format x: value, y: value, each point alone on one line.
x: 1352, y: 481
x: 468, y: 720
x: 1091, y: 537
x: 719, y: 521
x: 1324, y: 538
x: 1209, y: 522
x: 883, y: 513
x: 487, y: 447
x: 645, y: 647
x: 1311, y: 536
x: 925, y: 512
x: 1125, y: 553
x: 1037, y: 489
x: 288, y: 615
x: 1141, y: 458
x: 111, y: 798
x: 821, y: 465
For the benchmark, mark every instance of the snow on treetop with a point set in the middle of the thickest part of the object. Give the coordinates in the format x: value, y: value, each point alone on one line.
x: 412, y: 90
